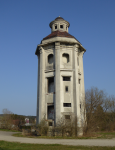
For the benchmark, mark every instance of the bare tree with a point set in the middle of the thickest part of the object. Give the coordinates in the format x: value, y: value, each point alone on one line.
x: 6, y: 119
x: 100, y: 111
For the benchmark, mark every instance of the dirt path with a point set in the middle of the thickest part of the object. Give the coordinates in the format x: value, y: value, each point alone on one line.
x: 7, y: 136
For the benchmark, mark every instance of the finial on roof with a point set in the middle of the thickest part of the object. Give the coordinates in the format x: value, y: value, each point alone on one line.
x: 59, y: 18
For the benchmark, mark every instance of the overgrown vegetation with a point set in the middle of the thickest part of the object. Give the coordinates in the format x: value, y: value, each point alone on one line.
x: 14, y: 122
x: 11, y: 121
x: 98, y: 111
x: 95, y: 135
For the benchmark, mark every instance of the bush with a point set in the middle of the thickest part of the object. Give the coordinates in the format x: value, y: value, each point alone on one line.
x: 42, y: 128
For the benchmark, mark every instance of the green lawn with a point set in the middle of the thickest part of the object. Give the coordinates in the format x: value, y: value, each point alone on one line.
x: 19, y: 146
x: 98, y: 135
x: 106, y: 135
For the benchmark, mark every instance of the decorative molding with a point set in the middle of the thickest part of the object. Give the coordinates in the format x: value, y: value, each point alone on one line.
x: 81, y: 53
x: 49, y: 51
x: 76, y: 48
x: 57, y: 44
x: 71, y: 70
x: 79, y: 73
x: 40, y: 50
x: 49, y: 70
x: 49, y: 47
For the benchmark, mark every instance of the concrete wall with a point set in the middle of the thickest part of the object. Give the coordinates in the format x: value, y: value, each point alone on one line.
x: 49, y: 49
x: 58, y: 69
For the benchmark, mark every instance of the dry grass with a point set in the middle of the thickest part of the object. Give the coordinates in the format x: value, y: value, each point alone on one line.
x: 95, y: 135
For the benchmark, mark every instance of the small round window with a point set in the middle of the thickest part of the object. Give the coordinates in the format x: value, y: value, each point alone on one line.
x: 65, y: 58
x: 50, y: 58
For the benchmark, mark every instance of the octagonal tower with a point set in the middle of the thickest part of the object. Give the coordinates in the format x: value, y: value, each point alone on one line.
x: 60, y: 91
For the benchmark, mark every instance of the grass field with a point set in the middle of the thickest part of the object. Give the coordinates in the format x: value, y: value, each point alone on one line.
x: 106, y: 135
x: 98, y: 135
x: 19, y: 146
x: 9, y: 130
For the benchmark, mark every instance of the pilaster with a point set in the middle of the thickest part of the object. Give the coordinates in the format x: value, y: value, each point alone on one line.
x: 82, y: 96
x: 75, y: 78
x: 42, y: 85
x: 38, y: 90
x: 57, y: 82
x: 76, y: 91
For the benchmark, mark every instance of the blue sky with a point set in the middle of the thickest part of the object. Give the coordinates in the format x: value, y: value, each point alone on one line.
x: 24, y: 23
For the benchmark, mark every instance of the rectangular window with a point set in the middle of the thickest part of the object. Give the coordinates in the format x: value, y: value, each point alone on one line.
x: 50, y: 112
x: 66, y: 88
x: 66, y: 78
x: 56, y: 27
x: 67, y: 116
x: 79, y: 80
x: 77, y: 61
x: 66, y: 104
x: 80, y: 106
x: 50, y: 123
x: 51, y: 85
x: 61, y: 26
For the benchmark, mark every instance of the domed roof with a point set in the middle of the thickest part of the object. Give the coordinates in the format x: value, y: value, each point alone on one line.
x: 59, y: 18
x: 59, y: 34
x: 57, y: 21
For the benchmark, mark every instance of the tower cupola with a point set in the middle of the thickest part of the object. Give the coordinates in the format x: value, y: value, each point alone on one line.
x: 59, y: 24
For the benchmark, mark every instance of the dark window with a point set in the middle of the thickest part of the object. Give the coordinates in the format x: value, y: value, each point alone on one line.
x: 61, y: 26
x: 55, y: 27
x: 50, y: 123
x: 67, y: 116
x: 79, y: 80
x: 77, y: 61
x: 51, y: 85
x: 66, y: 104
x: 66, y: 88
x: 50, y: 58
x: 80, y: 106
x: 66, y: 78
x: 65, y: 58
x: 50, y: 112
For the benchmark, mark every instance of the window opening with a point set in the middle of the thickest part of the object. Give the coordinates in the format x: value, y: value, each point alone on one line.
x: 67, y: 116
x: 50, y: 58
x: 50, y: 112
x: 56, y: 27
x: 51, y: 85
x: 79, y: 80
x: 66, y: 78
x: 66, y: 104
x: 50, y: 124
x: 61, y: 26
x: 65, y: 58
x: 80, y: 106
x: 66, y: 88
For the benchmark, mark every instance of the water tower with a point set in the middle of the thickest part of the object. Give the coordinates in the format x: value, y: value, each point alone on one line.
x: 60, y: 91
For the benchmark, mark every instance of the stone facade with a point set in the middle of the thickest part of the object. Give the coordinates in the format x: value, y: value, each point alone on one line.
x: 60, y: 90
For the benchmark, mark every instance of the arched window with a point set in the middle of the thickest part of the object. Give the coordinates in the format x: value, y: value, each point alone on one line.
x: 50, y: 58
x: 65, y: 58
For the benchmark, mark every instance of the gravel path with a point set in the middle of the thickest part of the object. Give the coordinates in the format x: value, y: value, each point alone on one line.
x: 7, y: 136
